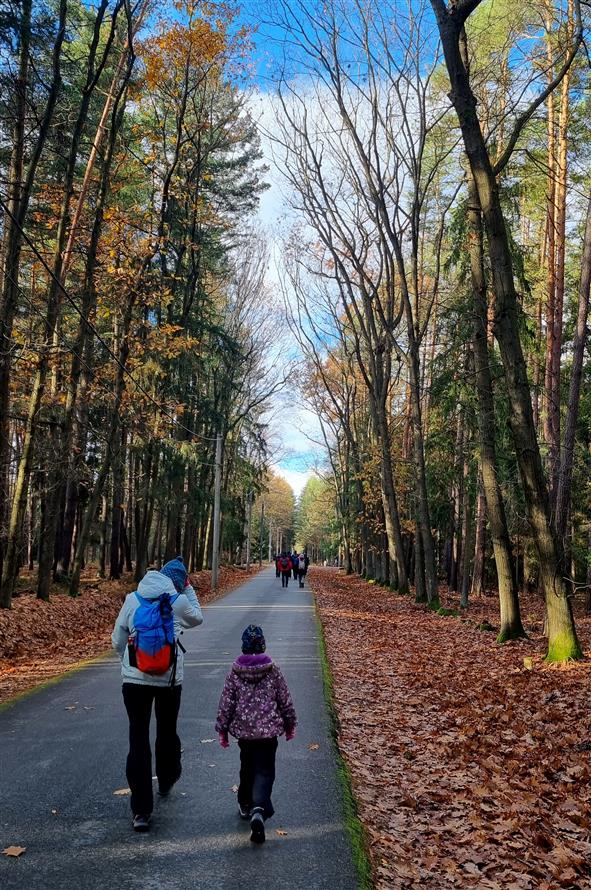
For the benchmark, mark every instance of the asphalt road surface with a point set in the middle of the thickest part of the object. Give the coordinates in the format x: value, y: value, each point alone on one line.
x: 62, y: 757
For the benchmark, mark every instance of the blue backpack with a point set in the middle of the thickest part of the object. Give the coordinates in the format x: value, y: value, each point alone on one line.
x: 152, y: 646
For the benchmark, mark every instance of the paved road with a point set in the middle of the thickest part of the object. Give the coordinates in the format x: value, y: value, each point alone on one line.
x: 62, y: 755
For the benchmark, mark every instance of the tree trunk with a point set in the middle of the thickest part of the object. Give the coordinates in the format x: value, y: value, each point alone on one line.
x: 562, y: 638
x: 511, y: 625
x: 423, y: 514
x: 390, y: 503
x: 54, y: 299
x: 551, y: 221
x: 116, y: 508
x: 478, y: 579
x: 111, y: 437
x: 467, y: 535
x: 574, y: 395
x: 46, y: 539
x: 19, y: 197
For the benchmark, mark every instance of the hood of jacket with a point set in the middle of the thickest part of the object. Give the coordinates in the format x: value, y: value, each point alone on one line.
x: 154, y: 584
x: 252, y: 668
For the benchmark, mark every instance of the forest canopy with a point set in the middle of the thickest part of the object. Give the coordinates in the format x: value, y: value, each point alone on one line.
x: 433, y: 253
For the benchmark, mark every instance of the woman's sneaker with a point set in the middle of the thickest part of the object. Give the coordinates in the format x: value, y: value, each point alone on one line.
x: 141, y: 822
x: 257, y: 826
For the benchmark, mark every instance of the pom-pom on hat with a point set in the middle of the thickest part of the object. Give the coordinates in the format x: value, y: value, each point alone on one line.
x: 176, y: 571
x: 253, y: 640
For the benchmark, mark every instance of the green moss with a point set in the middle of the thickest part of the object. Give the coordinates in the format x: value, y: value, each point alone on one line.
x: 370, y: 580
x: 564, y: 647
x: 447, y: 613
x: 511, y: 633
x: 485, y: 626
x: 353, y: 825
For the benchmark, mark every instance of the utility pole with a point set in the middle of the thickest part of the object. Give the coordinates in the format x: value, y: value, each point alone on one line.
x: 215, y: 555
x: 261, y: 532
x: 248, y: 525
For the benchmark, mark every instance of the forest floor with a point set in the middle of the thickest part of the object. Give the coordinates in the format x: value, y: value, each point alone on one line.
x: 40, y: 640
x: 470, y: 761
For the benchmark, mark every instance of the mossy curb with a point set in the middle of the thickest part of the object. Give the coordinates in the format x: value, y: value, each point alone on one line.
x: 53, y: 681
x: 353, y: 824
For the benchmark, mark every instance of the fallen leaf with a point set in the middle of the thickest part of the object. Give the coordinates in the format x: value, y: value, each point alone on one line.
x: 234, y: 789
x: 528, y: 664
x: 281, y: 832
x: 70, y: 708
x: 207, y: 741
x: 313, y: 747
x: 14, y: 851
x: 122, y: 792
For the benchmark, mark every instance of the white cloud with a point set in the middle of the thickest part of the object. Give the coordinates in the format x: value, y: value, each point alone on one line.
x: 296, y: 478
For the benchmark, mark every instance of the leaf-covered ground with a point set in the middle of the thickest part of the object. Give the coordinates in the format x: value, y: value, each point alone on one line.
x: 469, y: 769
x: 39, y: 640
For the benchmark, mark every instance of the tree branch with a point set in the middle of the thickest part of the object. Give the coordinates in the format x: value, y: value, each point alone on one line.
x: 527, y: 114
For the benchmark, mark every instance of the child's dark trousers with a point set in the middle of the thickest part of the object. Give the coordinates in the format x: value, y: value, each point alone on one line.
x: 285, y: 576
x: 257, y: 774
x: 138, y: 702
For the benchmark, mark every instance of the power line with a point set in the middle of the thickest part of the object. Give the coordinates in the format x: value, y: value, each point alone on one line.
x: 97, y: 333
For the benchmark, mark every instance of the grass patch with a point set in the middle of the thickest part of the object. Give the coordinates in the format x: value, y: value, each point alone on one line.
x: 353, y: 824
x: 447, y: 613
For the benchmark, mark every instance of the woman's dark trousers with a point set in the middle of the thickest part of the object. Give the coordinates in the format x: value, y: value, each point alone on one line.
x: 138, y: 702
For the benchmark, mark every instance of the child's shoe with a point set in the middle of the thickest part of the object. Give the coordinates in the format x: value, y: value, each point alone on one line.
x: 243, y: 812
x: 257, y: 826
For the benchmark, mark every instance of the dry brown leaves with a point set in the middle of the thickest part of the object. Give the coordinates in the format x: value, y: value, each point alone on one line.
x: 470, y: 770
x: 39, y: 640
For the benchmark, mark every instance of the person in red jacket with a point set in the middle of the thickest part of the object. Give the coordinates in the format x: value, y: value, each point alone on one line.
x: 284, y: 563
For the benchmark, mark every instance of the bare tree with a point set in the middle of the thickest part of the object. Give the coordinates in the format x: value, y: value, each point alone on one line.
x: 451, y: 20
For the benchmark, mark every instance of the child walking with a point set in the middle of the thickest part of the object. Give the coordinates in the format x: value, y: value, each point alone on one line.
x: 255, y: 707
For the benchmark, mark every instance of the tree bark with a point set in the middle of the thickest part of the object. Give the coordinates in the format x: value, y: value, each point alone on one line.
x: 19, y: 198
x: 111, y: 437
x: 511, y: 625
x: 562, y: 638
x: 478, y: 582
x: 574, y: 395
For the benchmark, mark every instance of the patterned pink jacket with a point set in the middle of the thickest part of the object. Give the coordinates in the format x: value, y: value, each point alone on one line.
x: 255, y: 701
